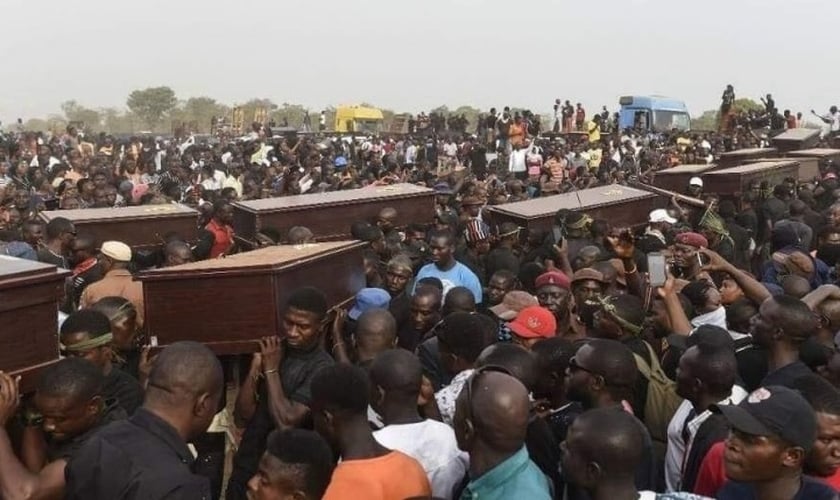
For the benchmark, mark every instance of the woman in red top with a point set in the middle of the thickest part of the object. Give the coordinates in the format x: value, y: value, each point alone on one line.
x: 220, y: 226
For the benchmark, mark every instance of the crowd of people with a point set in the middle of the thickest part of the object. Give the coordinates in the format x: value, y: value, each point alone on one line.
x: 479, y: 361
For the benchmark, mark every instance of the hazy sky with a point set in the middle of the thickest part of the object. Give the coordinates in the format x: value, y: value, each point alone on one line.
x: 412, y: 55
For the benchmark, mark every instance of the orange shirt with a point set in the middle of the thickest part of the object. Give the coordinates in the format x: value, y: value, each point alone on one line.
x: 516, y: 134
x: 391, y: 476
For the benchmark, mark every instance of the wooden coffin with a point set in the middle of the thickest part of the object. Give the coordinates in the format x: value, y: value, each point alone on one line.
x: 620, y: 205
x: 796, y: 138
x: 140, y: 227
x: 809, y: 160
x: 676, y: 178
x: 736, y: 180
x: 330, y: 215
x: 230, y: 303
x: 29, y: 295
x: 740, y: 156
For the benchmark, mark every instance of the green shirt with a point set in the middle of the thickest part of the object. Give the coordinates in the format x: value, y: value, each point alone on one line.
x: 516, y: 477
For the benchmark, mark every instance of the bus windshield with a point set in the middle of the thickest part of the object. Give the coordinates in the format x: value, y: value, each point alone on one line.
x: 668, y: 120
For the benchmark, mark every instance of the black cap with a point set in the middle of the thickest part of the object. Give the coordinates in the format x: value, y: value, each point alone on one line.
x: 774, y: 411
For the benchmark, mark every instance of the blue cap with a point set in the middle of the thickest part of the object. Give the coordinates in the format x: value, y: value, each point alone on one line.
x: 340, y: 161
x: 367, y: 299
x: 442, y: 188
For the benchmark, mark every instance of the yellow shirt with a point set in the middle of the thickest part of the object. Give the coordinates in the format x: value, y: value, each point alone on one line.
x: 594, y: 131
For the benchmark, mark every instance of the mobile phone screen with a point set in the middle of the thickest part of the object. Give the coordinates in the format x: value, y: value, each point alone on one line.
x: 558, y: 235
x: 656, y: 268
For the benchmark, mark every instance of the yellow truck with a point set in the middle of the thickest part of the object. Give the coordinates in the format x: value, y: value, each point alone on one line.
x: 358, y: 119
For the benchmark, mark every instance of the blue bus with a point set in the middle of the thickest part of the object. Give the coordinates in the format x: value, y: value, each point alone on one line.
x: 653, y: 113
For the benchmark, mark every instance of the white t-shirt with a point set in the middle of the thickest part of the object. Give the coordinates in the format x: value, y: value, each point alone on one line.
x: 517, y: 160
x: 450, y: 149
x: 433, y: 444
x: 835, y: 122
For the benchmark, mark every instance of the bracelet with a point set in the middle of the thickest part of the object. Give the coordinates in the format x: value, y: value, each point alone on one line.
x: 632, y: 271
x: 269, y: 372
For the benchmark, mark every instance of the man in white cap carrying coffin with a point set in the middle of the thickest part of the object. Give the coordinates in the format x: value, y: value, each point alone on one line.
x: 117, y: 282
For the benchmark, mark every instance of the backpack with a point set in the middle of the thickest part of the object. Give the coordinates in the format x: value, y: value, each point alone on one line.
x: 662, y: 399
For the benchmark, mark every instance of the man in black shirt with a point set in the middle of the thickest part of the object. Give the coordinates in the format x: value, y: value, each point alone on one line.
x: 146, y: 457
x: 60, y: 235
x: 87, y: 334
x: 288, y: 367
x: 86, y: 266
x: 69, y: 410
x: 781, y: 326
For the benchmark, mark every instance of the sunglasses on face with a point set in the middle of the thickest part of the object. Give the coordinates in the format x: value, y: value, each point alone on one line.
x: 575, y: 367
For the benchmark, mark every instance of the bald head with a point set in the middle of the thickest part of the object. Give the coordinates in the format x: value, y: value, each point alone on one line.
x: 376, y: 331
x: 830, y: 308
x: 499, y: 409
x: 459, y: 299
x: 177, y: 252
x: 609, y: 437
x: 397, y: 371
x: 181, y: 372
x: 388, y: 213
x: 521, y: 363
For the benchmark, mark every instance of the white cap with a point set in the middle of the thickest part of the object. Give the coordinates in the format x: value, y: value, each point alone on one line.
x: 661, y: 215
x: 695, y: 181
x: 116, y: 250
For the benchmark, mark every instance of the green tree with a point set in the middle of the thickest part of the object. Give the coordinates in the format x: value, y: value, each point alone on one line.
x: 202, y: 110
x: 746, y: 104
x: 293, y: 114
x: 707, y: 121
x: 152, y: 104
x: 75, y: 112
x: 36, y: 124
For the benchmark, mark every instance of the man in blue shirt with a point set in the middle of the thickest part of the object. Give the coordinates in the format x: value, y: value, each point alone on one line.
x: 448, y: 270
x: 491, y: 419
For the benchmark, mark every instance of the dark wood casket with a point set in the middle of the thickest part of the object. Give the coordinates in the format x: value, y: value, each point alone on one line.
x: 141, y: 227
x: 796, y: 138
x: 740, y: 156
x: 736, y: 180
x: 29, y: 296
x: 329, y: 215
x: 230, y: 303
x: 620, y: 205
x: 676, y: 178
x: 809, y: 160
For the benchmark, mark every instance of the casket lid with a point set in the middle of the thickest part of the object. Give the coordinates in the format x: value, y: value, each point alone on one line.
x: 122, y: 213
x: 748, y: 152
x: 816, y: 152
x: 761, y: 166
x: 694, y: 168
x: 16, y: 272
x: 260, y: 261
x: 333, y: 197
x: 585, y: 199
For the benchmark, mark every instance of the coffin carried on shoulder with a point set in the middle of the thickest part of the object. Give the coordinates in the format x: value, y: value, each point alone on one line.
x: 230, y: 303
x: 809, y: 160
x: 740, y: 156
x: 29, y: 296
x: 330, y: 215
x: 620, y: 205
x: 142, y: 227
x: 676, y: 178
x: 736, y: 180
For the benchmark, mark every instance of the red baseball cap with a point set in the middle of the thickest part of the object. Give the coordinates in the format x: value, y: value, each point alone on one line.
x: 555, y: 278
x: 534, y: 322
